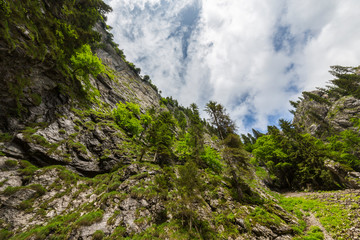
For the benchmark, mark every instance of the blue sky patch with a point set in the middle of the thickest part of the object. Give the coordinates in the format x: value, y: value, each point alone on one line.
x: 283, y: 40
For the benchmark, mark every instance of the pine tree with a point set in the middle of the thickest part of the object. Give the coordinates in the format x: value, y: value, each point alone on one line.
x: 220, y: 119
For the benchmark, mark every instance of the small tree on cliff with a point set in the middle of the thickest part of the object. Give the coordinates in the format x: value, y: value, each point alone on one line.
x: 220, y: 119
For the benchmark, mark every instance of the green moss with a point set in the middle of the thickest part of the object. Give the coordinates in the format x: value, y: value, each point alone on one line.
x: 101, y: 189
x: 27, y: 169
x: 98, y: 235
x: 112, y: 219
x: 114, y: 186
x: 39, y: 189
x: 5, y: 137
x: 68, y: 176
x: 40, y: 140
x: 90, y: 218
x: 17, y: 90
x: 11, y: 190
x: 77, y: 146
x: 36, y: 98
x: 90, y: 125
x: 62, y: 131
x: 78, y: 122
x: 5, y: 234
x: 26, y: 204
x: 9, y: 164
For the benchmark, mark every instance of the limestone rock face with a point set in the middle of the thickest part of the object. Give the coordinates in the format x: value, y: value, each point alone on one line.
x: 85, y: 142
x: 320, y: 119
x: 325, y: 118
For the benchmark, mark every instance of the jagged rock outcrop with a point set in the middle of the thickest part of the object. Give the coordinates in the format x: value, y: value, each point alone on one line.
x: 346, y: 176
x: 323, y: 116
x: 330, y: 116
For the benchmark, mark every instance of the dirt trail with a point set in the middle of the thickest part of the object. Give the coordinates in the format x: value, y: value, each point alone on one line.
x: 346, y: 198
x: 311, y: 220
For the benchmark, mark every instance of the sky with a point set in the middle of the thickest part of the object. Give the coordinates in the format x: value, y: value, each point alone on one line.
x: 252, y: 56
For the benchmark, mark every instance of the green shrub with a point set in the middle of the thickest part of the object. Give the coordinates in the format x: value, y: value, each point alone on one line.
x: 98, y: 235
x: 84, y: 63
x: 212, y: 158
x: 126, y: 117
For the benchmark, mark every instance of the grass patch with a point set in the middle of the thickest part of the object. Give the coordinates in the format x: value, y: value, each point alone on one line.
x: 333, y: 216
x: 90, y: 218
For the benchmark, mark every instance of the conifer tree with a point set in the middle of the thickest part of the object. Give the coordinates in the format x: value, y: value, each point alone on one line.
x: 220, y: 119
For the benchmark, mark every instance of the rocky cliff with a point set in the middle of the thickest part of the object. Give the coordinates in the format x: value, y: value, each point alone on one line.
x: 329, y: 115
x: 332, y: 115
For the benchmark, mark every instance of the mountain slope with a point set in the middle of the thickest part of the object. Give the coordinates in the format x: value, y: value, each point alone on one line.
x: 90, y: 150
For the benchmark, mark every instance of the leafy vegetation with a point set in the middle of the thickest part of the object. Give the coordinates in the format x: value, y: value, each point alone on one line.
x: 296, y: 159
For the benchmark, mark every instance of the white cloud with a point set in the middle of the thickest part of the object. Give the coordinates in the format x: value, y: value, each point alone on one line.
x: 230, y: 53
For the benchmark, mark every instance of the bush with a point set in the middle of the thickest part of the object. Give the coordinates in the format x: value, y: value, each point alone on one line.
x: 212, y: 158
x: 125, y: 117
x: 98, y: 235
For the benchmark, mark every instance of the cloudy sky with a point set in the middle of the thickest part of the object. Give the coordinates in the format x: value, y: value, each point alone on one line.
x: 252, y: 56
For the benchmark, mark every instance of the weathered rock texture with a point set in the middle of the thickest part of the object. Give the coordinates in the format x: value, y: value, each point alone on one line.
x: 84, y: 139
x: 321, y: 119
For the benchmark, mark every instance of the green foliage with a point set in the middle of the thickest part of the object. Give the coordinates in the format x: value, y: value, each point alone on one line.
x: 39, y: 190
x: 161, y: 135
x: 11, y: 163
x: 297, y: 160
x: 333, y: 216
x: 220, y: 119
x: 316, y: 98
x: 85, y: 63
x: 77, y: 146
x: 90, y: 218
x: 5, y: 137
x: 98, y: 235
x: 27, y: 170
x: 5, y: 234
x: 314, y: 233
x: 345, y: 148
x: 212, y: 158
x: 263, y: 217
x: 47, y: 31
x: 183, y: 147
x: 126, y: 117
x: 346, y: 82
x: 36, y: 98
